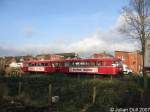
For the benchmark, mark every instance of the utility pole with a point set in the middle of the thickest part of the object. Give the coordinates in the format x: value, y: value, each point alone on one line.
x: 94, y: 95
x: 19, y: 88
x: 50, y: 93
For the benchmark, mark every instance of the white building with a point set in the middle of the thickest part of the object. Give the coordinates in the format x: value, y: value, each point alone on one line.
x: 15, y: 65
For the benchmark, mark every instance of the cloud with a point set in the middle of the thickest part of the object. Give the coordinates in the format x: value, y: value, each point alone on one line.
x: 99, y: 41
x: 28, y: 30
x: 108, y: 41
x: 8, y: 51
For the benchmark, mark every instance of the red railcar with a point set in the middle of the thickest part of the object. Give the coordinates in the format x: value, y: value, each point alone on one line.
x: 104, y: 66
x: 45, y: 66
x: 108, y: 66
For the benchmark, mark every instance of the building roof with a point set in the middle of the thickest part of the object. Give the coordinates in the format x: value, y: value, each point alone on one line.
x: 102, y: 55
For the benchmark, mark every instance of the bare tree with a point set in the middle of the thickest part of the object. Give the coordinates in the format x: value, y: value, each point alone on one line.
x: 137, y: 24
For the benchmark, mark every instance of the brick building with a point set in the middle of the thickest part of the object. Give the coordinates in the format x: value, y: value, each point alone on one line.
x: 132, y: 59
x: 69, y: 55
x: 28, y: 58
x: 55, y: 57
x: 52, y: 57
x: 101, y: 55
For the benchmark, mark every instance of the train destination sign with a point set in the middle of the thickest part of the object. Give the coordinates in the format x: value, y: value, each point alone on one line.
x: 39, y: 69
x: 89, y: 70
x: 147, y: 53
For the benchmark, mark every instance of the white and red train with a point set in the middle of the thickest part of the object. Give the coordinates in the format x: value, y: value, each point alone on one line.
x: 104, y: 66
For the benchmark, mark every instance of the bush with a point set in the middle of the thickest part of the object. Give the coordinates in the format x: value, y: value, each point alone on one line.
x: 77, y: 94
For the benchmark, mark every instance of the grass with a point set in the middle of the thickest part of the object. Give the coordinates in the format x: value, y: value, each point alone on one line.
x: 75, y: 93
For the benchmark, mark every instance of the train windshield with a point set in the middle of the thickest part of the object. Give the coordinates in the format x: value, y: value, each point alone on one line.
x: 117, y: 63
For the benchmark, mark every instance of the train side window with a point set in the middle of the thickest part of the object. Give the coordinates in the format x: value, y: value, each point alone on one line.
x: 59, y: 64
x: 49, y: 64
x: 25, y: 64
x: 52, y: 64
x: 77, y: 64
x: 55, y: 64
x: 82, y: 63
x: 73, y: 64
x: 67, y: 64
x: 93, y: 64
x: 41, y: 64
x: 38, y: 64
x: 46, y: 64
x: 29, y: 64
x: 104, y: 63
x: 107, y: 63
x: 62, y: 64
x: 99, y: 63
x: 88, y: 64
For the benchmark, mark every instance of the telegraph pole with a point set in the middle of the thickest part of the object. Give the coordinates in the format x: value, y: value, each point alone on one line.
x: 94, y: 95
x: 50, y: 93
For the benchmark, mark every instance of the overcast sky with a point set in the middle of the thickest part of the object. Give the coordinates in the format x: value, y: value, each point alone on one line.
x: 52, y: 26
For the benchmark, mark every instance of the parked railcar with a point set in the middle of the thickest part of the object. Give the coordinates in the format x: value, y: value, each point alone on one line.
x: 45, y: 66
x: 104, y: 66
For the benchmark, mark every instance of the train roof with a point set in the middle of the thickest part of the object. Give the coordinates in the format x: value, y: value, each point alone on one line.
x: 32, y: 61
x: 76, y: 60
x: 94, y: 59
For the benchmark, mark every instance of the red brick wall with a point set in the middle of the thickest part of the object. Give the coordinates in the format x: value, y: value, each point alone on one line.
x: 132, y: 59
x: 56, y: 57
x: 123, y: 55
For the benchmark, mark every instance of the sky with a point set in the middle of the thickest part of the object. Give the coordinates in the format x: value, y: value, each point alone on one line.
x: 54, y: 26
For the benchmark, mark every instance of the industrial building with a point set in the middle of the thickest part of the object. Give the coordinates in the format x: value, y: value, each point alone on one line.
x: 132, y: 59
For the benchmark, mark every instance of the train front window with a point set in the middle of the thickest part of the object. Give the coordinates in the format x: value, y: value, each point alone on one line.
x: 120, y: 64
x: 117, y: 63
